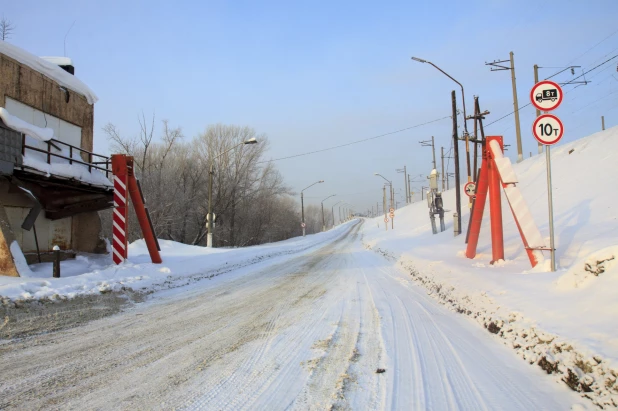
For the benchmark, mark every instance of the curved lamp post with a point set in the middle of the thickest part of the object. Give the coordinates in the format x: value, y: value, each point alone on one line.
x: 209, y: 217
x: 457, y: 181
x: 463, y: 99
x: 332, y: 210
x: 323, y: 222
x: 302, y: 204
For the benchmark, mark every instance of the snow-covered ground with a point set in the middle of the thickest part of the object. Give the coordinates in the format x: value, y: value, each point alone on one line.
x: 93, y: 274
x: 337, y: 327
x: 568, y: 316
x: 563, y: 321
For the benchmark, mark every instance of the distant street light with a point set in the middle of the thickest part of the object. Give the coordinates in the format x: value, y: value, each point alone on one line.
x: 302, y: 204
x: 323, y: 222
x: 209, y: 217
x: 332, y: 210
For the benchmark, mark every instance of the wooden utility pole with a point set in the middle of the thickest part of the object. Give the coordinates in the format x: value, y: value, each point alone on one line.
x: 427, y: 143
x: 520, y: 153
x: 392, y: 205
x: 538, y: 112
x: 497, y: 67
x: 443, y: 176
x: 602, y: 122
x: 456, y: 155
x: 410, y: 188
x: 476, y: 136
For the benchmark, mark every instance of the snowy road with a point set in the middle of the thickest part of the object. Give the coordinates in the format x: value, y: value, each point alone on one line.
x: 308, y: 333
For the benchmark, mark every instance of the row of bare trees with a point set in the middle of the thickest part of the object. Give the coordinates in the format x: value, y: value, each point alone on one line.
x: 252, y: 203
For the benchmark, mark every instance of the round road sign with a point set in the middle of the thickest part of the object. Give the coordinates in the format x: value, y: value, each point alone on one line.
x: 392, y: 214
x: 302, y: 225
x: 547, y: 129
x: 386, y: 219
x: 470, y: 189
x: 392, y: 210
x: 546, y: 95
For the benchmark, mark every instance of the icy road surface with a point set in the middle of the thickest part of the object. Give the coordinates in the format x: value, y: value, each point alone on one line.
x: 308, y: 333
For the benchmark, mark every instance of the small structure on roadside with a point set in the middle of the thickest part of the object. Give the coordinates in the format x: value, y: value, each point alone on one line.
x: 51, y: 183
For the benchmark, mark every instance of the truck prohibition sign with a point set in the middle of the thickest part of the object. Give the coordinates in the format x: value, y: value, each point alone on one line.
x: 546, y: 95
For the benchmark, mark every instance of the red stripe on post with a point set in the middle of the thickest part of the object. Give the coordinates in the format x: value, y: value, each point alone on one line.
x: 119, y: 219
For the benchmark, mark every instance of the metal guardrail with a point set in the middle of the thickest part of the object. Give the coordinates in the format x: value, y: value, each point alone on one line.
x: 106, y: 161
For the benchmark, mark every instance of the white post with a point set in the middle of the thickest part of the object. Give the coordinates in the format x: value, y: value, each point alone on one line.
x: 551, y: 208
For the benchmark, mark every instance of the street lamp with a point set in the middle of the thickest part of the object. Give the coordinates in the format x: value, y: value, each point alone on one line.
x: 209, y: 217
x: 390, y: 183
x: 323, y: 222
x: 463, y: 99
x: 332, y: 210
x: 302, y: 204
x: 457, y: 181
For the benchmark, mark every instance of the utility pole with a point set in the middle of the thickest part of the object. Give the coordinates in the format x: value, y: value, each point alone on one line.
x: 428, y: 143
x: 442, y: 150
x: 538, y: 112
x: 392, y: 205
x: 209, y: 216
x: 405, y: 184
x: 302, y: 204
x: 409, y: 190
x: 456, y: 151
x: 602, y: 124
x: 302, y: 208
x: 497, y: 67
x: 384, y: 206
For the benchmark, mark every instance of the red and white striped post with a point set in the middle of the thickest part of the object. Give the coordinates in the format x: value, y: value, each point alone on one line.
x: 119, y: 229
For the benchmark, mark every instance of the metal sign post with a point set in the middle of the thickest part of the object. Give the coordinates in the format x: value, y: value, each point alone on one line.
x: 548, y: 130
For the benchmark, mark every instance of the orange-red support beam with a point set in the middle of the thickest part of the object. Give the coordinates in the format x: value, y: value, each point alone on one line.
x: 142, y: 217
x: 495, y: 205
x: 479, y: 206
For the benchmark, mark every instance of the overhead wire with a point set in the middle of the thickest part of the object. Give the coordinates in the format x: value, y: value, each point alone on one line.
x: 568, y: 83
x: 356, y: 142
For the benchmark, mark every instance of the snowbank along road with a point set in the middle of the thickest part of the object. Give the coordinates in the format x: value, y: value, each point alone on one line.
x: 310, y: 333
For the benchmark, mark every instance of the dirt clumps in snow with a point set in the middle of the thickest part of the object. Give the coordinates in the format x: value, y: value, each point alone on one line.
x: 588, y: 375
x: 32, y: 317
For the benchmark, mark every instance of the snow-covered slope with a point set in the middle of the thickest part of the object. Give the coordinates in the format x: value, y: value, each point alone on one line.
x: 574, y: 303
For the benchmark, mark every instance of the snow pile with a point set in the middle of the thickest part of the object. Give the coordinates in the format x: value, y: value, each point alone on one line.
x: 17, y: 124
x: 61, y: 167
x: 20, y: 260
x: 59, y: 61
x: 50, y: 70
x: 577, y: 305
x: 182, y: 264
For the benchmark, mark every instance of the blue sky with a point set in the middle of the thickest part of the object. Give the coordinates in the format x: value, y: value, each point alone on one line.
x: 316, y: 74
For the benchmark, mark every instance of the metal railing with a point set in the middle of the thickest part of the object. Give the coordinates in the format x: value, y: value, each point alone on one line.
x: 103, y: 163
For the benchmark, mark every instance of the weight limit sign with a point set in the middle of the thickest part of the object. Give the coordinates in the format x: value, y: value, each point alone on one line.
x: 547, y: 129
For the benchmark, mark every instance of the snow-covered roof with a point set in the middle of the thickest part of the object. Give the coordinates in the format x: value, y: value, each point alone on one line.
x: 59, y: 61
x: 17, y: 124
x: 51, y: 70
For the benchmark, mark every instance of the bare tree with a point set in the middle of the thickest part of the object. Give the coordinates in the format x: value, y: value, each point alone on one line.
x: 251, y: 201
x: 6, y: 28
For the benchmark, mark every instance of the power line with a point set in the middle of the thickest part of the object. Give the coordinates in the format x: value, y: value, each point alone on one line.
x: 586, y: 52
x: 567, y: 83
x: 356, y: 142
x: 594, y: 68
